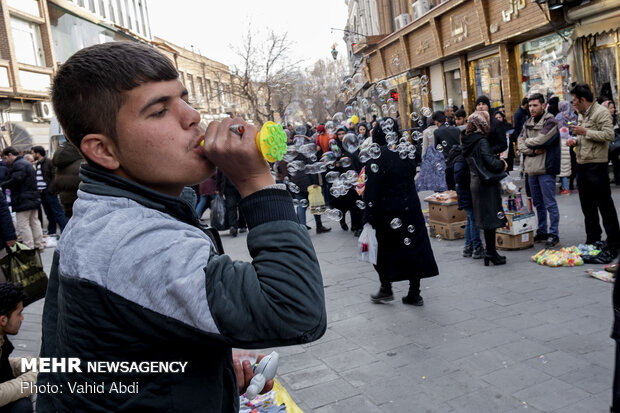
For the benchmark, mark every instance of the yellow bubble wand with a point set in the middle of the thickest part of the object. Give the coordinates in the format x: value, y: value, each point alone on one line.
x: 270, y: 140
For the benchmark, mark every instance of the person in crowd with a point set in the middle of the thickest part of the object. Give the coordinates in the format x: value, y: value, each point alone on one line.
x: 614, y: 149
x: 428, y: 138
x: 206, y: 190
x: 8, y: 237
x: 486, y: 197
x: 497, y: 134
x: 615, y: 335
x: 232, y: 198
x: 323, y: 138
x: 565, y: 118
x: 30, y: 158
x: 449, y: 114
x: 553, y: 105
x: 49, y: 197
x: 362, y: 131
x: 539, y: 143
x: 152, y: 281
x: 25, y: 199
x: 519, y: 118
x: 67, y: 161
x: 460, y: 119
x: 302, y: 182
x: 393, y: 209
x: 446, y: 137
x: 16, y: 385
x: 473, y: 244
x: 591, y: 142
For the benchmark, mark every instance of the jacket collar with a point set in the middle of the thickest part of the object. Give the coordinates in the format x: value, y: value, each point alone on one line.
x: 98, y: 181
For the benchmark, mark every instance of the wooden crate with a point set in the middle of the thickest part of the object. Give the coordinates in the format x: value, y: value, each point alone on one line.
x: 446, y: 213
x: 514, y: 242
x: 454, y: 230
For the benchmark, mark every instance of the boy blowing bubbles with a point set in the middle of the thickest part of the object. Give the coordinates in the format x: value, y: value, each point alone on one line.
x: 134, y: 258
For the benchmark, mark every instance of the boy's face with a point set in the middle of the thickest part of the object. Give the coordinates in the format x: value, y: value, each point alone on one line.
x: 159, y: 138
x: 12, y: 323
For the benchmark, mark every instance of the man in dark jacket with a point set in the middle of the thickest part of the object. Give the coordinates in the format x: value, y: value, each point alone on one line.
x: 232, y: 197
x: 67, y: 160
x: 25, y: 199
x: 540, y: 144
x: 447, y: 136
x: 46, y: 186
x: 520, y: 116
x: 135, y: 278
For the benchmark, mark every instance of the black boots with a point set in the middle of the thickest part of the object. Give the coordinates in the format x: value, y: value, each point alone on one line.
x: 322, y: 229
x: 413, y: 299
x: 494, y: 257
x: 382, y: 296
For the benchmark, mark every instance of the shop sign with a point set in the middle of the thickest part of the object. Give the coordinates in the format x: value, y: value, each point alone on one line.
x: 424, y: 44
x: 458, y: 30
x: 513, y: 10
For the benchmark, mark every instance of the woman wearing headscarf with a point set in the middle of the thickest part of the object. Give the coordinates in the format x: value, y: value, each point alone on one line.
x: 393, y: 209
x: 497, y: 133
x: 362, y: 130
x: 486, y: 197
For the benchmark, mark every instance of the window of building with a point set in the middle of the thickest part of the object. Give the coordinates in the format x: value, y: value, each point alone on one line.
x: 452, y: 75
x: 208, y: 89
x: 121, y: 17
x: 27, y: 42
x: 102, y: 11
x: 190, y: 86
x: 488, y: 79
x: 200, y: 91
x: 544, y: 65
x: 27, y: 6
x: 130, y: 14
x: 91, y: 6
x: 604, y: 56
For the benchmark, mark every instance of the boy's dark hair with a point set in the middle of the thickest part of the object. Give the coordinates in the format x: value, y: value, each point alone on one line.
x: 10, y: 295
x: 39, y: 149
x: 537, y: 96
x: 439, y: 116
x: 89, y: 88
x: 10, y: 150
x: 524, y: 101
x: 460, y: 113
x: 582, y: 90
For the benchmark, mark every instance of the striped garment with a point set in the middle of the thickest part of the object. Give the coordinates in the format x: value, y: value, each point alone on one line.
x: 41, y: 185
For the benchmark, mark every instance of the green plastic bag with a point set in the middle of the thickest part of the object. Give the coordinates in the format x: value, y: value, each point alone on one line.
x: 23, y: 265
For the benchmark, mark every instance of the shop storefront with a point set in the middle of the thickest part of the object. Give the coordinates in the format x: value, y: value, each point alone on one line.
x: 485, y: 74
x: 604, y: 63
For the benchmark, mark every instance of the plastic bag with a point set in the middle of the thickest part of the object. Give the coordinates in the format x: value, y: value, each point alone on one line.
x: 316, y: 200
x: 23, y: 265
x: 218, y: 213
x: 367, y: 245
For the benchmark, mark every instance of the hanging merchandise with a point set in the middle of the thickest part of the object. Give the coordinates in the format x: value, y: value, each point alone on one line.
x: 432, y: 175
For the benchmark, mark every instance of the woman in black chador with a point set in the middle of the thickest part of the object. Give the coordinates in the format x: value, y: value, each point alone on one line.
x: 393, y: 209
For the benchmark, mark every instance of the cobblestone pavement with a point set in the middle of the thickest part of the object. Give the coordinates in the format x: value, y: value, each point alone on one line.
x: 514, y: 338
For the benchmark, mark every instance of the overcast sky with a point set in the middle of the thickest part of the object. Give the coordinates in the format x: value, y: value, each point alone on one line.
x: 213, y: 26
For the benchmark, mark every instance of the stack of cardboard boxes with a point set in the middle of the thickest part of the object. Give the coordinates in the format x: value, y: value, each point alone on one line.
x: 519, y: 231
x: 444, y: 218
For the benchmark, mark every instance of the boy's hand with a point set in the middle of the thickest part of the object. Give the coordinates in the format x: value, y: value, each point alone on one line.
x: 237, y: 156
x: 244, y: 373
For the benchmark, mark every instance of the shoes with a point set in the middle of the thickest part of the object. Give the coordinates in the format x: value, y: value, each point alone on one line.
x: 243, y: 229
x: 357, y: 232
x: 51, y: 242
x: 233, y: 231
x: 552, y: 241
x: 382, y: 296
x: 575, y: 191
x: 416, y: 300
x: 478, y: 253
x: 467, y: 251
x: 494, y: 258
x: 612, y: 268
x: 564, y: 192
x: 322, y: 229
x: 308, y: 227
x: 344, y: 226
x: 540, y: 237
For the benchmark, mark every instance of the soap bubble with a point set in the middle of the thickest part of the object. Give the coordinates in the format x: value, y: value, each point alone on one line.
x: 438, y: 237
x: 307, y: 149
x: 420, y: 122
x: 424, y: 80
x: 365, y: 103
x: 293, y: 188
x: 444, y: 143
x: 330, y: 177
x: 396, y: 61
x: 350, y: 142
x: 411, y: 229
x: 374, y: 167
x: 396, y: 223
x: 350, y: 176
x: 414, y: 116
x: 345, y: 162
x: 358, y: 79
x: 291, y: 154
x: 360, y: 204
x: 425, y: 90
x: 338, y: 117
x: 392, y: 110
x: 364, y: 156
x: 348, y: 111
x: 303, y: 203
x: 334, y: 214
x: 374, y: 151
x: 439, y: 148
x: 309, y: 103
x: 500, y: 215
x: 417, y: 102
x: 374, y: 109
x: 407, y: 241
x: 403, y: 154
x: 391, y: 138
x: 426, y: 111
x: 384, y: 109
x: 450, y: 102
x: 328, y: 157
x: 349, y: 83
x: 370, y: 205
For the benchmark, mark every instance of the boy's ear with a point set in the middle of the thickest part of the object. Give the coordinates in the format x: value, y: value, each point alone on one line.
x: 101, y: 150
x: 3, y: 321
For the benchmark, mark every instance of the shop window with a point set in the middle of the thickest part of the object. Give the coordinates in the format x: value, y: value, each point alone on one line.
x: 453, y: 87
x: 190, y: 86
x: 27, y: 6
x: 544, y: 65
x: 604, y: 56
x: 27, y: 41
x: 487, y: 74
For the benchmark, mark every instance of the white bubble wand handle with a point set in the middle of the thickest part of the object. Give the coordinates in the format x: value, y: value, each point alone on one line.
x: 263, y: 372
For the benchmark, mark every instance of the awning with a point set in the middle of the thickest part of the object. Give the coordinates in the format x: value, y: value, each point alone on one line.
x: 594, y: 26
x: 25, y: 135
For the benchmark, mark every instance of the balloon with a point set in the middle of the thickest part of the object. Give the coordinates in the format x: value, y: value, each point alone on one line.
x: 355, y: 119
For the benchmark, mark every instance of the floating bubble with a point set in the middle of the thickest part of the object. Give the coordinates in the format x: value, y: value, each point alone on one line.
x: 424, y: 80
x: 349, y: 83
x: 293, y: 188
x: 396, y: 61
x: 334, y: 214
x: 374, y: 167
x: 309, y: 103
x: 414, y: 116
x: 291, y: 154
x: 417, y: 102
x: 348, y: 111
x: 396, y: 223
x: 407, y: 241
x: 447, y: 123
x: 439, y: 148
x: 338, y: 117
x: 388, y: 123
x: 358, y: 79
x: 307, y: 149
x: 374, y: 109
x: 438, y: 237
x: 330, y: 177
x: 420, y: 122
x: 425, y: 90
x: 365, y: 103
x: 392, y: 110
x: 403, y: 154
x: 350, y: 142
x: 370, y: 205
x: 345, y: 162
x: 411, y: 229
x: 405, y: 136
x: 360, y: 204
x: 364, y: 156
x: 350, y: 176
x: 384, y: 109
x: 391, y: 138
x: 450, y: 101
x: 444, y: 143
x: 543, y: 359
x: 328, y: 157
x: 427, y: 112
x: 330, y: 127
x: 374, y: 151
x: 500, y: 215
x: 303, y: 203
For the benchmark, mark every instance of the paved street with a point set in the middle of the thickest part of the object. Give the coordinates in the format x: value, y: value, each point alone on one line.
x: 519, y: 337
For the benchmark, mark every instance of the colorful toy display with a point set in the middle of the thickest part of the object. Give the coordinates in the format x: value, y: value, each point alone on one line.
x: 564, y: 257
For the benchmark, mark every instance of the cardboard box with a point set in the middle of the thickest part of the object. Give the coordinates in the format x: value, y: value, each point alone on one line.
x: 445, y: 212
x: 454, y: 230
x: 514, y: 242
x: 519, y: 223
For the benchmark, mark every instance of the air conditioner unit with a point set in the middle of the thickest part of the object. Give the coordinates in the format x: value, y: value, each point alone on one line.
x: 419, y: 8
x: 43, y: 110
x: 401, y: 21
